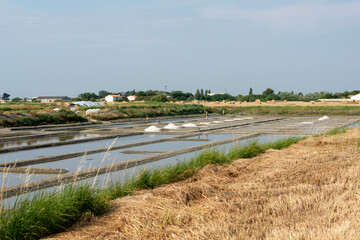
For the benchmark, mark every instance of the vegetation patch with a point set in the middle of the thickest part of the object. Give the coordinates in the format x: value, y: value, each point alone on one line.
x: 336, y: 131
x: 150, y: 109
x: 61, y: 117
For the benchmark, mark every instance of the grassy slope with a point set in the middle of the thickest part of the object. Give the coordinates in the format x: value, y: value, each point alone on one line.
x: 49, y: 213
x: 308, y: 191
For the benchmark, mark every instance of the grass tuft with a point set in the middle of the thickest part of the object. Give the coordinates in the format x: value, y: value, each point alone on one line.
x: 336, y: 131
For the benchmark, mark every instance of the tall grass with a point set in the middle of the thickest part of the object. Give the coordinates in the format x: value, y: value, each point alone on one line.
x: 50, y: 212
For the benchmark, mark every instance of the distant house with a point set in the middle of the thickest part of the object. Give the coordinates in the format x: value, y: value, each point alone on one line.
x: 112, y: 98
x: 2, y: 100
x: 131, y: 98
x: 355, y: 97
x: 47, y: 99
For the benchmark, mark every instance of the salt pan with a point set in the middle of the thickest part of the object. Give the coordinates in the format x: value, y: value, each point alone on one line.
x: 189, y: 125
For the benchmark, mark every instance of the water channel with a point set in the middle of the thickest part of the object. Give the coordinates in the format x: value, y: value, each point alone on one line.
x: 269, y: 129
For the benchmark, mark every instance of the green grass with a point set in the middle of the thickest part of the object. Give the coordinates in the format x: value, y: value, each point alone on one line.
x: 51, y: 212
x: 336, y: 131
x: 333, y: 132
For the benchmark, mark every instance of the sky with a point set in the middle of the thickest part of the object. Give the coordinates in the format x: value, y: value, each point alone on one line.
x: 72, y: 46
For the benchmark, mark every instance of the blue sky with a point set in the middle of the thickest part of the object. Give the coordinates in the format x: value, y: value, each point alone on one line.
x: 68, y: 47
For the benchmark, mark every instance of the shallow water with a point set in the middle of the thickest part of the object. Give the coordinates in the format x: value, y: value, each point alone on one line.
x: 121, y: 175
x: 6, y: 157
x: 31, y: 142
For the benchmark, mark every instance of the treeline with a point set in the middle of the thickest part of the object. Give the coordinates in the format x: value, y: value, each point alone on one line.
x: 207, y: 95
x: 269, y: 94
x: 159, y: 96
x: 149, y: 95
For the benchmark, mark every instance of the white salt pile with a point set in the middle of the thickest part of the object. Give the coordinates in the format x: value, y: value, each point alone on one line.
x: 92, y: 111
x: 228, y: 120
x: 189, y: 125
x: 204, y: 123
x: 238, y: 119
x: 217, y: 121
x: 56, y: 109
x: 307, y: 123
x: 171, y: 126
x: 152, y: 128
x: 323, y: 118
x: 248, y: 118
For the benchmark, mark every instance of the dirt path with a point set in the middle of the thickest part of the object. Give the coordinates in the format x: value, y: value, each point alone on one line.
x: 309, y: 191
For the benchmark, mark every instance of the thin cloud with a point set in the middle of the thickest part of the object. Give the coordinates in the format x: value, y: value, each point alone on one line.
x: 300, y: 17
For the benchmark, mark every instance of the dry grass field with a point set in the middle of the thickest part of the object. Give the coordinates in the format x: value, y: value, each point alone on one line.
x: 310, y: 190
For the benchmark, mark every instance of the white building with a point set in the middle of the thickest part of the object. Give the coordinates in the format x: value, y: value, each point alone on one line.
x: 112, y: 98
x: 355, y: 97
x: 131, y: 98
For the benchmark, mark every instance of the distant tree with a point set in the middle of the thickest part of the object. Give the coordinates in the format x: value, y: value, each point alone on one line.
x: 6, y: 96
x: 268, y: 91
x: 162, y: 97
x: 180, y: 96
x: 150, y: 93
x: 141, y: 94
x: 197, y: 95
x: 103, y: 93
x: 221, y: 97
x: 328, y: 95
x: 251, y: 91
x: 88, y: 96
x: 16, y: 99
x: 201, y: 94
x: 130, y: 93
